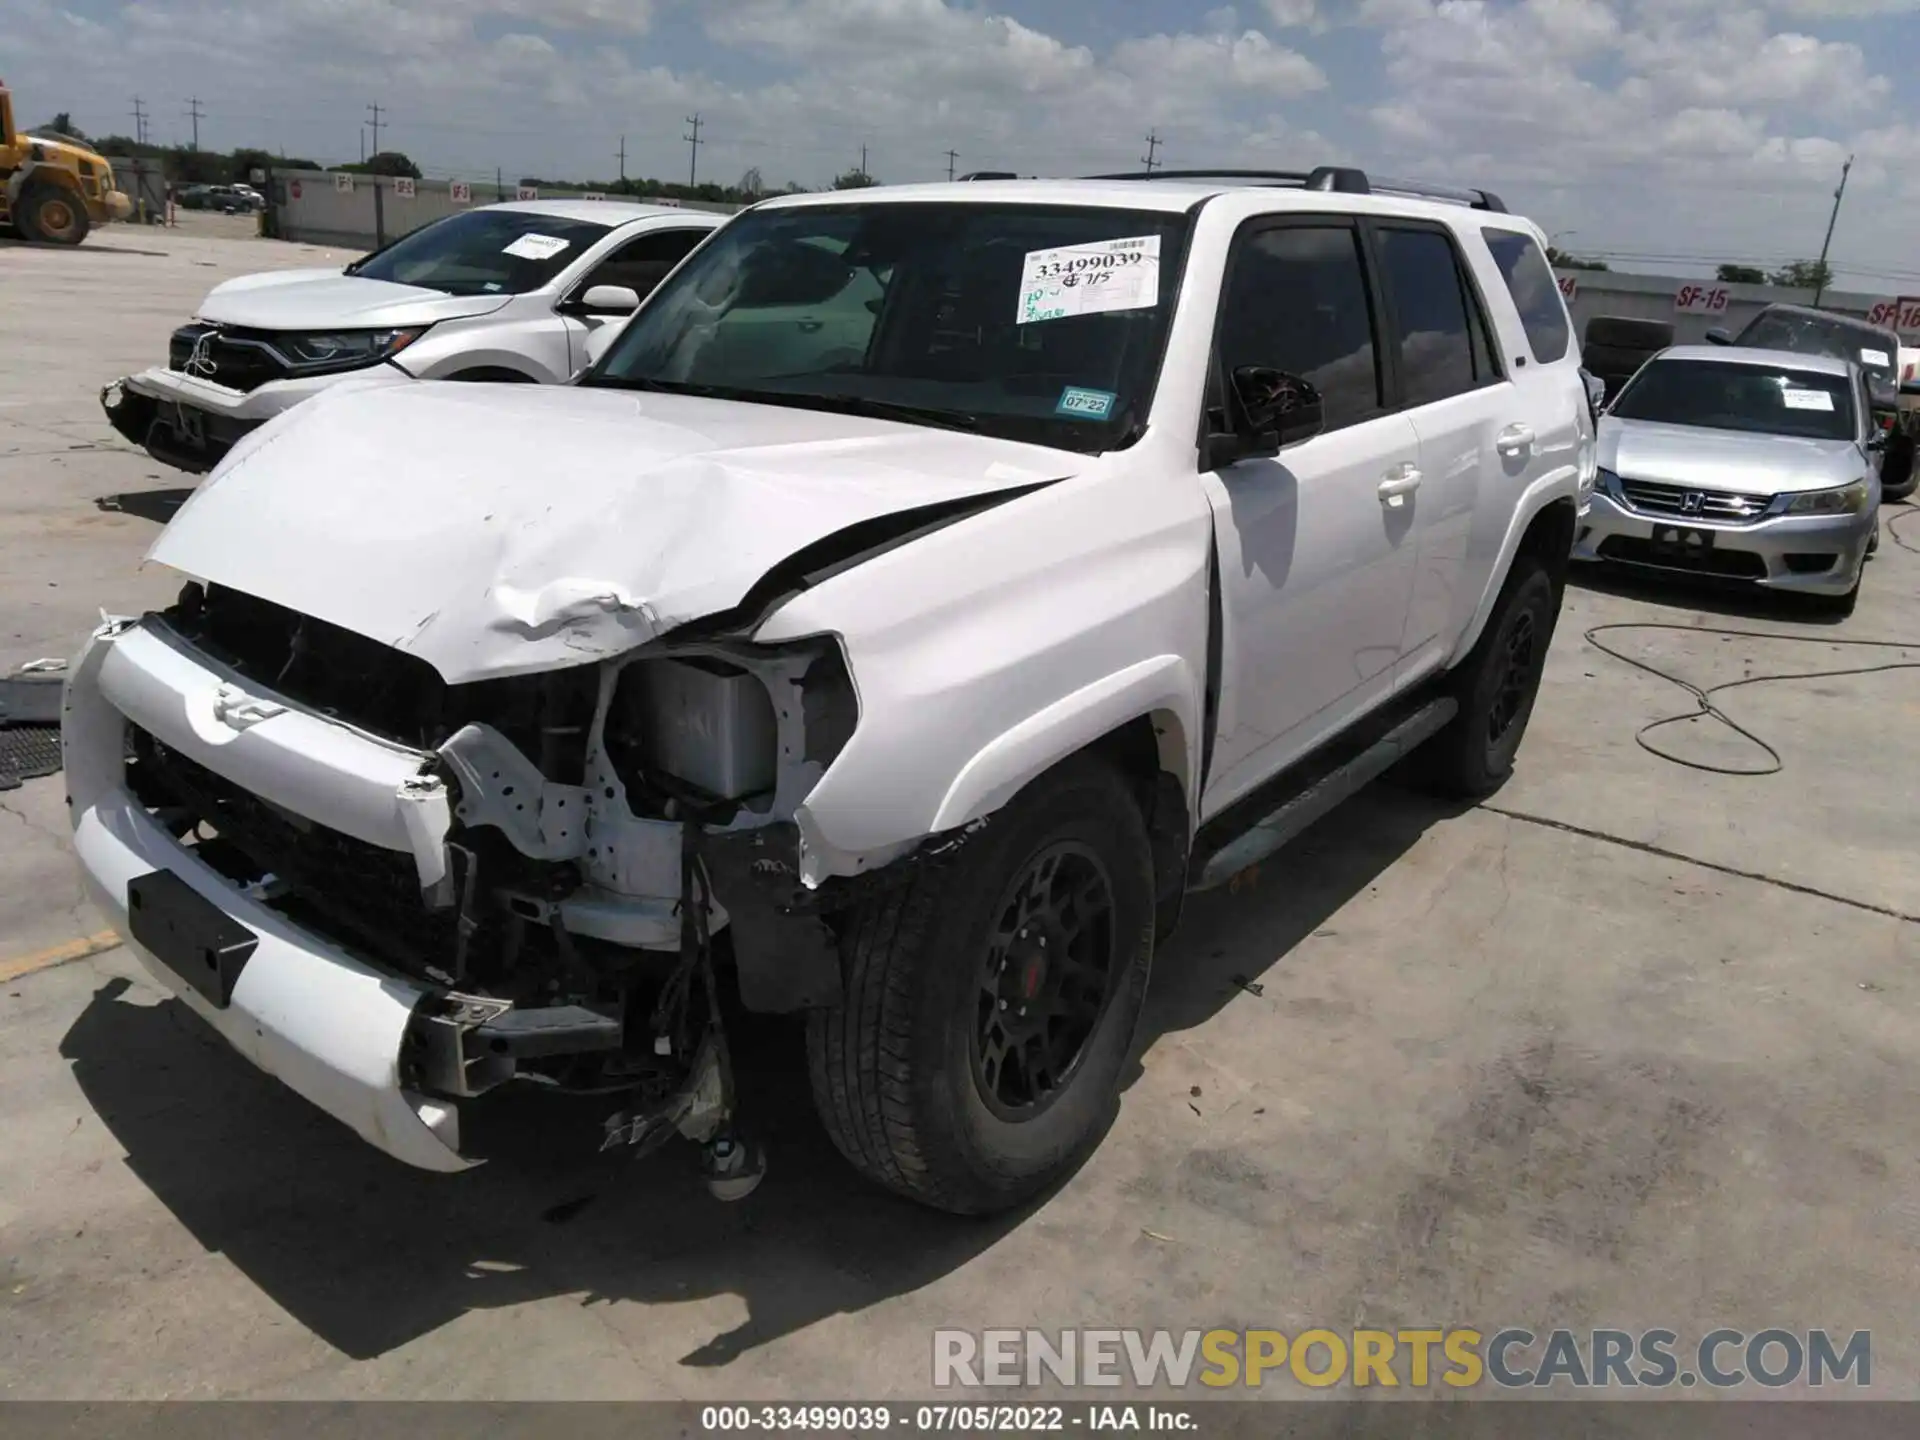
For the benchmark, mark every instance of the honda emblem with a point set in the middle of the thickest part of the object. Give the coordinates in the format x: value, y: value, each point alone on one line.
x: 1692, y: 502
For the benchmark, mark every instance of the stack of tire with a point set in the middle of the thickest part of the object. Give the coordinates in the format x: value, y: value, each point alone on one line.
x: 1617, y: 345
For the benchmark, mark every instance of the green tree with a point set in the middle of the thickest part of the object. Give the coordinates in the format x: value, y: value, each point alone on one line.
x: 62, y: 124
x: 1740, y: 275
x: 388, y: 162
x: 855, y: 179
x: 1562, y: 260
x: 1804, y: 275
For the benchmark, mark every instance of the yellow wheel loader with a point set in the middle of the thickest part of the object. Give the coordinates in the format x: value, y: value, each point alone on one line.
x: 53, y: 190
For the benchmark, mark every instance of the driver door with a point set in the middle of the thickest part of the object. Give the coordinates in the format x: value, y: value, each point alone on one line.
x: 1318, y: 548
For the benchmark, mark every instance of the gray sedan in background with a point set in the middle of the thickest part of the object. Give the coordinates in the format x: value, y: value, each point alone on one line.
x: 1749, y: 465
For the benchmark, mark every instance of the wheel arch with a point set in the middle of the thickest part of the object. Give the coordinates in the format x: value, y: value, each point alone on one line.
x: 1543, y: 527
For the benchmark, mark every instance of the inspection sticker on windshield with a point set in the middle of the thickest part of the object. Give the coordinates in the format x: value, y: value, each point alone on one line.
x: 1085, y: 404
x: 1090, y: 279
x: 535, y: 247
x: 1806, y: 399
x: 1875, y: 357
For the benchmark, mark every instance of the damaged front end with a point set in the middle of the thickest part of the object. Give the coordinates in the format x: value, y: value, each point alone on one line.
x: 576, y: 860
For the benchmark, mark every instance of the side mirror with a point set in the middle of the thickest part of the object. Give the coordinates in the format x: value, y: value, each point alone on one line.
x: 1876, y: 442
x: 610, y: 300
x: 1719, y: 336
x: 599, y: 342
x: 1270, y: 409
x: 1596, y: 391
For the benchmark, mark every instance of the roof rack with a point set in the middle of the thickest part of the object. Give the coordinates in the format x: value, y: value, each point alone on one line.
x: 991, y: 175
x: 1340, y: 179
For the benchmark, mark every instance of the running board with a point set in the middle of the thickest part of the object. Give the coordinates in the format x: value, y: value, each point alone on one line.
x: 1324, y: 794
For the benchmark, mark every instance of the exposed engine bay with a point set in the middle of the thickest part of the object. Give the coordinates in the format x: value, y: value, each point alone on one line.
x: 594, y: 845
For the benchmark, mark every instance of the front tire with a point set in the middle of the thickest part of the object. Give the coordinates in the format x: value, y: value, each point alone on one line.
x: 1495, y: 686
x: 52, y: 216
x: 992, y: 999
x: 1897, y: 477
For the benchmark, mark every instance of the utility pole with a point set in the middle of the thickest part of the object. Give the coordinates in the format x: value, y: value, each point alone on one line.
x: 363, y: 144
x: 1820, y: 276
x: 499, y: 184
x: 194, y: 112
x: 376, y: 127
x: 694, y: 142
x: 953, y: 158
x: 623, y: 162
x: 139, y: 120
x: 1153, y: 150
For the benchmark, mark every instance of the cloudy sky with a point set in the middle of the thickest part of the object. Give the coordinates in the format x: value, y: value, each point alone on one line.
x: 1670, y: 130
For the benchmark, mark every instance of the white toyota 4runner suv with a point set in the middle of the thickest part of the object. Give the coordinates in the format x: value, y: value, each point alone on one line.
x: 924, y: 591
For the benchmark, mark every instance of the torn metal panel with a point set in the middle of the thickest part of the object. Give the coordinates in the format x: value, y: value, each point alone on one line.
x: 470, y: 550
x: 787, y: 957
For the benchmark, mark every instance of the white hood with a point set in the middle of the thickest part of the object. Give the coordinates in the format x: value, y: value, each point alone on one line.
x: 320, y: 300
x: 1733, y: 461
x: 501, y: 529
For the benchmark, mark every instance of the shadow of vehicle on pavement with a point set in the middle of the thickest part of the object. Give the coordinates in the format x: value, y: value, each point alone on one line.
x: 1676, y: 590
x: 155, y: 505
x: 369, y: 1254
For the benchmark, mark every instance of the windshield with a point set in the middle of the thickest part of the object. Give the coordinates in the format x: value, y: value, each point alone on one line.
x: 1723, y: 395
x: 1028, y: 322
x: 483, y: 252
x: 1873, y: 350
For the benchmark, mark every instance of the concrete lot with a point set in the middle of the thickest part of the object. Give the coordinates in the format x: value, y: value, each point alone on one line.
x: 1631, y: 1046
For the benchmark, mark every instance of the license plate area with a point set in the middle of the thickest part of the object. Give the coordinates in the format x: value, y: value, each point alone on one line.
x: 1683, y: 543
x: 189, y: 934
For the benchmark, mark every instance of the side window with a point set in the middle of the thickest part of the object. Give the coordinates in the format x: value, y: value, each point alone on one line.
x: 1536, y: 294
x: 1433, y: 324
x: 643, y: 263
x: 1297, y: 300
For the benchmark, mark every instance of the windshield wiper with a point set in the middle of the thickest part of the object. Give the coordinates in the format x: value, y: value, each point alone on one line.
x: 885, y: 410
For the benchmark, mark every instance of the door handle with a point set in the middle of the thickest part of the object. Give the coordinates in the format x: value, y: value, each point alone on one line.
x: 1401, y: 482
x: 1515, y: 438
x: 811, y: 327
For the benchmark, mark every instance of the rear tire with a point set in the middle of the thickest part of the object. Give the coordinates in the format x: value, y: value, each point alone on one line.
x: 1495, y: 686
x: 932, y: 1077
x: 50, y: 215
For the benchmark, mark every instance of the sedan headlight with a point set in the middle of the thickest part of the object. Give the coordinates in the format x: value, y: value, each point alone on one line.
x: 1843, y: 500
x: 344, y: 349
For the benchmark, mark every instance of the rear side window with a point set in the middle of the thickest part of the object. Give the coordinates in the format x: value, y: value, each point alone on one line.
x: 1536, y: 294
x: 1442, y: 349
x: 1297, y: 301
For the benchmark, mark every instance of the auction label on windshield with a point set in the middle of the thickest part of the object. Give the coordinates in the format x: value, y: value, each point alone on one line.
x: 1807, y: 399
x: 1090, y: 279
x: 536, y: 247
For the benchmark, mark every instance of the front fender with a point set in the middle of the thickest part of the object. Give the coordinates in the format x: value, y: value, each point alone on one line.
x: 1164, y: 685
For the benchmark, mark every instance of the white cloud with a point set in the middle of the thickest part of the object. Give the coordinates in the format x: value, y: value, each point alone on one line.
x: 1290, y: 14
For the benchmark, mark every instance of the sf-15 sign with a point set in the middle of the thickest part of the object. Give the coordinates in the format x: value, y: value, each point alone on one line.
x: 1700, y: 299
x: 1902, y: 315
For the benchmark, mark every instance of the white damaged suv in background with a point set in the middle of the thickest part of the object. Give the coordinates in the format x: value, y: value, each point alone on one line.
x: 507, y: 293
x: 925, y: 591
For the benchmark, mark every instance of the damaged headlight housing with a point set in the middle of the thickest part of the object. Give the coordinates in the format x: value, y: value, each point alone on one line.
x: 1842, y: 500
x: 720, y: 726
x: 344, y: 349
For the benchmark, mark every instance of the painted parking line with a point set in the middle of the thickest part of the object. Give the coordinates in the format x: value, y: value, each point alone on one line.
x: 97, y: 943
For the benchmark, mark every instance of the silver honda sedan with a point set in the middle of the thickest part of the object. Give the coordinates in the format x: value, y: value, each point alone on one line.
x: 1753, y: 465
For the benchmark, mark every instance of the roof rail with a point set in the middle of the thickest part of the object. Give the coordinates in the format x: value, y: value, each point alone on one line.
x: 1340, y: 179
x: 990, y: 175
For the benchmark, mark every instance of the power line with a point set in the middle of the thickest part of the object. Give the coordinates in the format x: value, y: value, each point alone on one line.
x: 194, y: 112
x: 139, y: 120
x: 953, y: 159
x: 694, y: 142
x: 375, y: 110
x: 1153, y: 149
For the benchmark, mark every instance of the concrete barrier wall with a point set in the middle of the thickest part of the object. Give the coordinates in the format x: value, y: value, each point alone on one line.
x: 309, y: 206
x: 1656, y: 297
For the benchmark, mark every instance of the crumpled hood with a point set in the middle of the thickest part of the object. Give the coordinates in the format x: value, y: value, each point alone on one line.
x: 317, y: 300
x: 1725, y: 460
x: 502, y: 529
